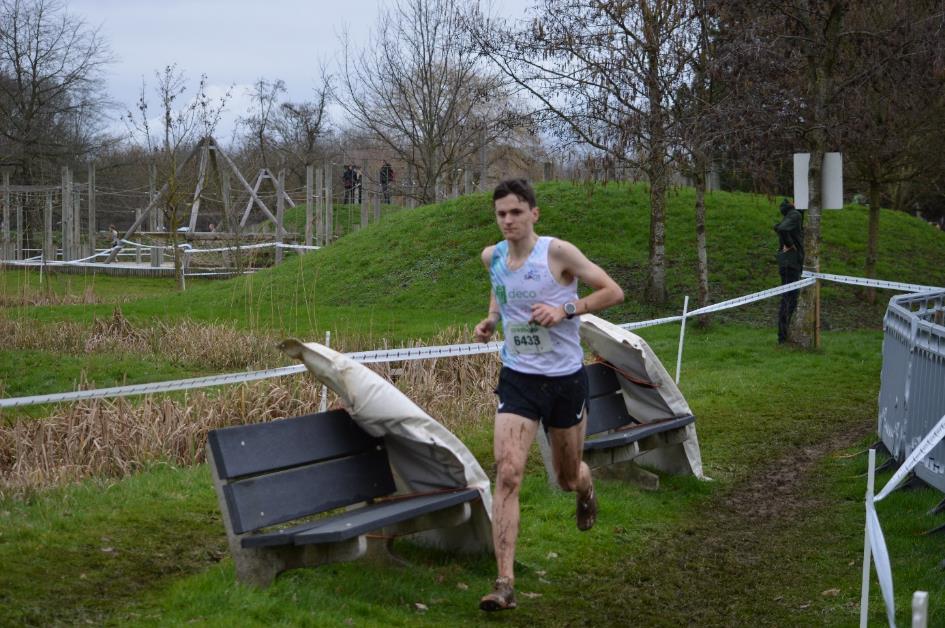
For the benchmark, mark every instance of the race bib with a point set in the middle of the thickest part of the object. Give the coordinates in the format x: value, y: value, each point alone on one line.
x: 527, y: 338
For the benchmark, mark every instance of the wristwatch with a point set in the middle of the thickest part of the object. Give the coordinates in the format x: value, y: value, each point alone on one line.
x: 570, y: 309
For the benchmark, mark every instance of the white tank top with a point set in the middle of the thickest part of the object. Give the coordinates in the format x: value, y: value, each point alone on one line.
x: 551, y: 351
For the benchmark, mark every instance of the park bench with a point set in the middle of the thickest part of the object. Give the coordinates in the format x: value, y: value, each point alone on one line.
x: 315, y: 489
x: 615, y: 439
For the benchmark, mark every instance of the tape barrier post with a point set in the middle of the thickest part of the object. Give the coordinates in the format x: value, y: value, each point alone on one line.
x: 682, y: 336
x: 865, y: 589
x: 920, y: 609
x: 323, y: 404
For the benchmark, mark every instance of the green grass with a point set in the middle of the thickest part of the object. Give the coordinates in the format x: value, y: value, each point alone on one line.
x: 150, y: 549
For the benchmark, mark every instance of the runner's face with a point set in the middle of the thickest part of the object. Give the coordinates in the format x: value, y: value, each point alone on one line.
x: 515, y: 218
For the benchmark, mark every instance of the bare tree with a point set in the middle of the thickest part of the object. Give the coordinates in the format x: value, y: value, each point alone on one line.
x: 182, y: 125
x: 51, y: 87
x: 896, y: 117
x: 260, y: 121
x: 300, y: 126
x: 606, y: 74
x: 422, y: 92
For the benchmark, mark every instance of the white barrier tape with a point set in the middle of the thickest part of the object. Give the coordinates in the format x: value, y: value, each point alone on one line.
x: 650, y: 323
x: 365, y: 357
x: 85, y: 259
x: 157, y: 387
x: 873, y: 283
x: 724, y: 305
x: 424, y: 353
x: 918, y: 454
x: 751, y: 298
x: 228, y: 273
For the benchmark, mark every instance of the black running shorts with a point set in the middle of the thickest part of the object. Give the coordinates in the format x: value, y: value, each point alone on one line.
x: 555, y: 401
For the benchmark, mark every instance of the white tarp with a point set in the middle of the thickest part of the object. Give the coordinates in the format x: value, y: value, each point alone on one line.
x: 423, y: 454
x: 631, y: 354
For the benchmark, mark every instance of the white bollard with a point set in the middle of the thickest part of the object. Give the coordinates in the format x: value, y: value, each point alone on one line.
x: 682, y: 336
x: 865, y: 593
x: 920, y: 609
x: 323, y: 405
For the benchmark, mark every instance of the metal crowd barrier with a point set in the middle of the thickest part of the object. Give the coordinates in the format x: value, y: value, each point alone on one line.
x: 912, y: 384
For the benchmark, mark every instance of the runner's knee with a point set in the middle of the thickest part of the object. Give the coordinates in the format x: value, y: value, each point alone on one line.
x: 508, y: 476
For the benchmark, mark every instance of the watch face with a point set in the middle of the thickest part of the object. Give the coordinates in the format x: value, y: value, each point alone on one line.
x: 570, y: 309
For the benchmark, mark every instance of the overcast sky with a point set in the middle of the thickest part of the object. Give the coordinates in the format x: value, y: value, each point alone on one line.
x: 233, y: 42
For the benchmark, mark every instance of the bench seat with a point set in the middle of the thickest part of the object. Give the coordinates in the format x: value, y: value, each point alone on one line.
x: 636, y: 433
x: 352, y: 523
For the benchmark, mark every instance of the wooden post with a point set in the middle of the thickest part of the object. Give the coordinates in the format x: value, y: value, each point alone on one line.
x: 410, y: 188
x: 280, y: 214
x: 455, y: 181
x: 467, y: 180
x: 198, y: 191
x: 137, y: 248
x: 77, y: 218
x: 329, y: 205
x: 309, y: 182
x: 548, y: 171
x: 319, y: 202
x: 817, y: 314
x: 155, y: 219
x: 49, y: 252
x: 377, y: 205
x: 229, y: 220
x: 5, y: 248
x: 68, y: 231
x: 365, y: 215
x: 93, y: 227
x: 18, y: 253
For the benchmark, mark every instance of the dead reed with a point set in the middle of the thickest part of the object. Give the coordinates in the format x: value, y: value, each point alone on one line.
x: 111, y: 438
x: 207, y: 345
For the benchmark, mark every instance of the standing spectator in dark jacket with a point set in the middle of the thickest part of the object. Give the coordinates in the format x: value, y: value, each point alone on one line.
x: 387, y: 179
x: 790, y: 261
x: 347, y: 182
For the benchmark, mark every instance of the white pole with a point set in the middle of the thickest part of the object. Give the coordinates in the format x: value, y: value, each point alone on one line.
x: 920, y: 609
x: 323, y: 406
x: 682, y: 336
x: 865, y: 593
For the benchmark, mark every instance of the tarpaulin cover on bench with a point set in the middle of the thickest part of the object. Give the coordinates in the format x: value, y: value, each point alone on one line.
x: 423, y: 454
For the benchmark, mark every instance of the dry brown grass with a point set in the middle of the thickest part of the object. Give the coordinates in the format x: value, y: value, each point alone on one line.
x: 111, y: 438
x: 208, y: 346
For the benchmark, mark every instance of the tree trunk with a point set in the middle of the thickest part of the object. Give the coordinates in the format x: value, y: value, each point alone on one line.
x: 656, y: 167
x: 702, y: 264
x: 872, y: 240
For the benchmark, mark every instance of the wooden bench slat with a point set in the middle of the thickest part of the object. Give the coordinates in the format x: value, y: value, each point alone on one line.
x: 262, y: 501
x: 601, y: 380
x: 347, y: 525
x: 248, y: 449
x: 607, y: 412
x: 632, y: 435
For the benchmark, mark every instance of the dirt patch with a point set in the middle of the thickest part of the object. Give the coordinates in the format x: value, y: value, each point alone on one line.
x: 728, y: 564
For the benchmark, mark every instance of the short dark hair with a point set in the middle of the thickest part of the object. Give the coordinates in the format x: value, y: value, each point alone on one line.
x: 519, y: 187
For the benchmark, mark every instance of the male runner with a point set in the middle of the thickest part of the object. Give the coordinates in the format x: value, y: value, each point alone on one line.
x: 534, y: 292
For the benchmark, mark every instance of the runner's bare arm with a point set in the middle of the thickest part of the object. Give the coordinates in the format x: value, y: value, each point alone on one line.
x: 567, y: 262
x: 486, y: 326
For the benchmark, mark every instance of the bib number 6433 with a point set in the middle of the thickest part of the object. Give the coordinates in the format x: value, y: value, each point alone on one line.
x: 527, y: 338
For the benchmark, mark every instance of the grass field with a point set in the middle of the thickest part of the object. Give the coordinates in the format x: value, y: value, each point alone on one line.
x: 775, y: 539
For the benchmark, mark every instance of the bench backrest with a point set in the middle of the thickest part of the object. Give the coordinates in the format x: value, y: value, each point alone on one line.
x: 291, y: 468
x: 606, y: 409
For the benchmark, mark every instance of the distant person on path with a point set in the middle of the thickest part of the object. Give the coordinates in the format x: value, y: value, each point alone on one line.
x: 790, y: 262
x: 534, y: 293
x: 113, y: 232
x: 387, y: 179
x: 358, y: 183
x: 347, y: 182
